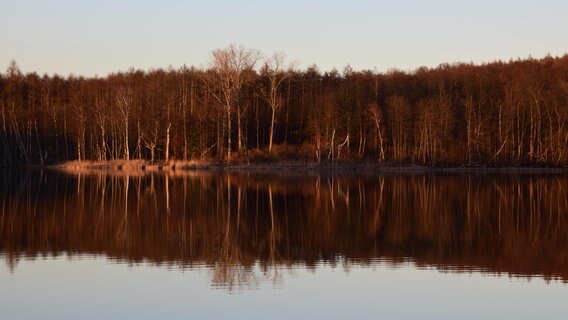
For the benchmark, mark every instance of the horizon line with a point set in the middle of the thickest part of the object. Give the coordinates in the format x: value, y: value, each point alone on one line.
x: 373, y: 70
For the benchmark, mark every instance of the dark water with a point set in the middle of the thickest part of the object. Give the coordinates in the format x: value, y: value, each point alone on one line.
x: 275, y: 246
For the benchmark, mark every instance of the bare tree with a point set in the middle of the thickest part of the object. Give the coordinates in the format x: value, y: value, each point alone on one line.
x: 376, y: 114
x: 151, y: 137
x: 81, y: 119
x: 230, y: 71
x: 277, y: 73
x: 100, y: 119
x: 124, y: 98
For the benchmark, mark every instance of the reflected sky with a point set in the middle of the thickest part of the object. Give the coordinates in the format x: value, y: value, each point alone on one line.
x: 95, y: 288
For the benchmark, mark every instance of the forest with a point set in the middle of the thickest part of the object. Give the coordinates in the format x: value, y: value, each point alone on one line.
x: 244, y: 107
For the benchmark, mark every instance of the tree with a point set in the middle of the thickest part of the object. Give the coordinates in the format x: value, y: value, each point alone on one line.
x: 231, y: 68
x: 376, y: 114
x: 123, y: 99
x: 277, y: 73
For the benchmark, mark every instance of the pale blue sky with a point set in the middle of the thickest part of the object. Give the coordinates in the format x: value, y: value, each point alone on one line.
x: 102, y: 36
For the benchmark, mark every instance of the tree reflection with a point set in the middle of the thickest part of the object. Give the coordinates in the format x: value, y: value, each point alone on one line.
x: 238, y: 223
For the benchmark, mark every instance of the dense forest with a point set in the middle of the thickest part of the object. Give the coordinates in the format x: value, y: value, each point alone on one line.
x: 243, y: 107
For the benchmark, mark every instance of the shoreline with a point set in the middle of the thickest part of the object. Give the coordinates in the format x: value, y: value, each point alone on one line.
x: 145, y: 167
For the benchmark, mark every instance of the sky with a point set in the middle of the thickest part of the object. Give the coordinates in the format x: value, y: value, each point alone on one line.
x: 99, y: 37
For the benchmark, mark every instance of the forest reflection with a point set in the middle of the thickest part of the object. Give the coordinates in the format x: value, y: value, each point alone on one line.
x: 236, y: 223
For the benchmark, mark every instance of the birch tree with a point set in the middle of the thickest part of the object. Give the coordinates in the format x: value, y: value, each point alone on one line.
x: 124, y: 98
x: 277, y: 73
x: 230, y: 71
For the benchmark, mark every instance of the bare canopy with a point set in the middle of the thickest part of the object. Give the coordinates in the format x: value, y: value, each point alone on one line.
x: 231, y: 68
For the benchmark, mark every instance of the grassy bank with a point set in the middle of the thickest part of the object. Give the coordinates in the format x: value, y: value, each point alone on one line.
x: 143, y: 167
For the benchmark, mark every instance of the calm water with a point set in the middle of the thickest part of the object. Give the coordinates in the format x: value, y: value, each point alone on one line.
x: 295, y: 246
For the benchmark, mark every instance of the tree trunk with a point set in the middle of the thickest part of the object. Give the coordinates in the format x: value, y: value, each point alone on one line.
x: 167, y: 156
x: 239, y: 132
x: 138, y: 141
x: 126, y: 147
x: 228, y: 134
x: 271, y: 130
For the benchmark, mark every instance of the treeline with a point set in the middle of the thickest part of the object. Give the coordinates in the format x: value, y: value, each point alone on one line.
x: 244, y: 107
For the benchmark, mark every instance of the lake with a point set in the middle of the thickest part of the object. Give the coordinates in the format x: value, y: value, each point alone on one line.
x: 299, y: 245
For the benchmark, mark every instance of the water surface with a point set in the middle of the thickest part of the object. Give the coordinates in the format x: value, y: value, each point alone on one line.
x: 282, y: 246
